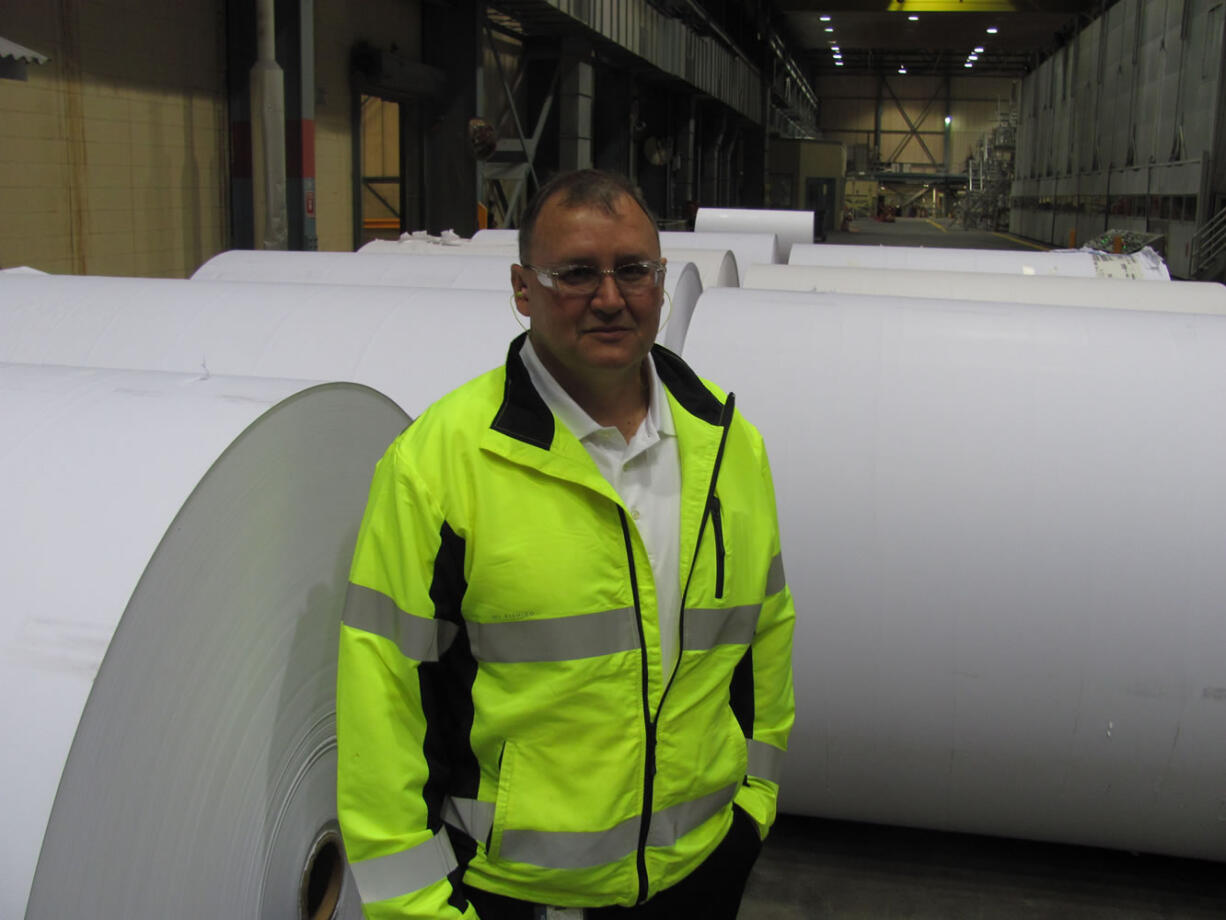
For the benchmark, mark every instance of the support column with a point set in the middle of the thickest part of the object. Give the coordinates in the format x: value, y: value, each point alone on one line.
x: 712, y: 143
x: 450, y: 191
x: 575, y: 92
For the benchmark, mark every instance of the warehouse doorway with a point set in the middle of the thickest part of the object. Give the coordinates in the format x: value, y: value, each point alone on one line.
x: 387, y: 199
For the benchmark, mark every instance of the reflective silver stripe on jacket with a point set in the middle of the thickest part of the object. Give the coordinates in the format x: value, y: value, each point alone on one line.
x: 705, y: 629
x: 583, y: 849
x: 417, y: 637
x: 585, y: 635
x: 401, y: 873
x: 570, y: 849
x: 473, y: 816
x: 775, y: 579
x: 765, y: 760
x: 671, y: 824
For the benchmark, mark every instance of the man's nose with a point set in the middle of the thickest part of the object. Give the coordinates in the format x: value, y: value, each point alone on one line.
x: 608, y: 295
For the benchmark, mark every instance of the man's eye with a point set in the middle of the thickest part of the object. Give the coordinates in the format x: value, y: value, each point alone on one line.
x: 635, y: 271
x: 578, y: 275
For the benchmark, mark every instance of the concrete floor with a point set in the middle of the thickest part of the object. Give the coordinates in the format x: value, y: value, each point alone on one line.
x: 813, y: 869
x: 938, y: 233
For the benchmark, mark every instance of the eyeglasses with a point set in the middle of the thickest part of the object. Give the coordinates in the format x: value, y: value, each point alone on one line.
x: 630, y: 278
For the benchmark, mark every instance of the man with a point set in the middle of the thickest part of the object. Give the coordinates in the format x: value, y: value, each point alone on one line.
x: 565, y: 663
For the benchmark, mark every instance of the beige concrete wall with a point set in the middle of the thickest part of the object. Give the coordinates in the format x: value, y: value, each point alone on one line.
x: 113, y: 155
x: 849, y: 111
x: 338, y: 25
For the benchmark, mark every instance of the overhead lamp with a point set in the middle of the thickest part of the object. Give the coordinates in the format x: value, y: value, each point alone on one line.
x: 991, y: 30
x: 829, y: 28
x: 824, y: 18
x: 902, y: 70
x: 913, y: 18
x: 838, y: 57
x: 838, y: 63
x: 949, y: 120
x: 969, y: 64
x: 972, y: 57
x: 835, y: 48
x: 979, y: 50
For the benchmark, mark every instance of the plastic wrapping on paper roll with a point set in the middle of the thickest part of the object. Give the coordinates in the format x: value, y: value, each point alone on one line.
x: 1002, y: 526
x: 412, y: 344
x: 790, y: 227
x: 1177, y: 297
x: 747, y: 248
x: 1069, y: 263
x: 175, y: 559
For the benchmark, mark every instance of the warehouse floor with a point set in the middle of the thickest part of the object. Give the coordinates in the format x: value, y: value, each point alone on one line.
x: 813, y: 869
x: 938, y: 233
x: 829, y: 870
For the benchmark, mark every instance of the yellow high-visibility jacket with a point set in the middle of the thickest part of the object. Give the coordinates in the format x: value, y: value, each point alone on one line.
x: 499, y: 659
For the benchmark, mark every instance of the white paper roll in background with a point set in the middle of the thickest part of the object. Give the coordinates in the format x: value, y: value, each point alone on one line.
x: 747, y: 248
x: 415, y: 345
x: 716, y: 267
x: 1175, y: 297
x: 174, y: 557
x: 486, y: 270
x: 496, y: 237
x: 1075, y: 263
x: 790, y: 227
x: 440, y: 267
x: 1004, y: 530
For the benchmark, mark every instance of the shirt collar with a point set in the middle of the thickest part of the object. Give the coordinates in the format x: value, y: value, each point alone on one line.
x: 659, y: 417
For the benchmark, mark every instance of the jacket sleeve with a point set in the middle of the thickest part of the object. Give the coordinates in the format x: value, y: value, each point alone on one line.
x: 769, y: 679
x: 395, y: 621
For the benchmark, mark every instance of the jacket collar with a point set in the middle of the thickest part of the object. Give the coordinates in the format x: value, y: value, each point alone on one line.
x: 523, y: 414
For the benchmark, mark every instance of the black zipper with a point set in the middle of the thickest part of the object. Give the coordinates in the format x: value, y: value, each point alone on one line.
x: 649, y: 767
x: 717, y: 528
x: 725, y: 422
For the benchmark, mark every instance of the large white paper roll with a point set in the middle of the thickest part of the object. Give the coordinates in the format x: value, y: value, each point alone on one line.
x: 174, y: 557
x: 789, y: 227
x: 412, y: 344
x: 1176, y: 297
x: 1070, y: 263
x: 1003, y: 527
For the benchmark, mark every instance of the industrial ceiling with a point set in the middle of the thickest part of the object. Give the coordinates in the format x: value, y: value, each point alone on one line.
x: 931, y: 36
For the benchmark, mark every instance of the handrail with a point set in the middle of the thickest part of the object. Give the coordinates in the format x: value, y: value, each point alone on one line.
x: 1209, y: 241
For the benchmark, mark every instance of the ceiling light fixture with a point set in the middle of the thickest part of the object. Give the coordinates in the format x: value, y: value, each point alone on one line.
x: 972, y: 57
x: 838, y: 63
x: 913, y: 18
x: 829, y: 28
x: 824, y: 18
x: 991, y: 30
x: 902, y: 70
x: 979, y: 50
x: 968, y: 64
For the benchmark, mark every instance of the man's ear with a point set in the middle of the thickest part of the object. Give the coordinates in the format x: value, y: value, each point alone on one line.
x: 519, y: 288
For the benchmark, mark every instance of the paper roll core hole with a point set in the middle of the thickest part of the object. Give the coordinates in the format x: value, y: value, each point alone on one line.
x: 322, y: 877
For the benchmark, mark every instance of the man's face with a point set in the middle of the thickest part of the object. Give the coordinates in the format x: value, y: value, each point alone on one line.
x: 583, y: 336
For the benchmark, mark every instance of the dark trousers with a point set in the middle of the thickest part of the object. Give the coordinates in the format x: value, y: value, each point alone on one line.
x: 711, y: 892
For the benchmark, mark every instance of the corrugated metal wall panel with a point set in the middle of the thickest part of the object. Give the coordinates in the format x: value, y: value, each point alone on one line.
x: 1126, y: 111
